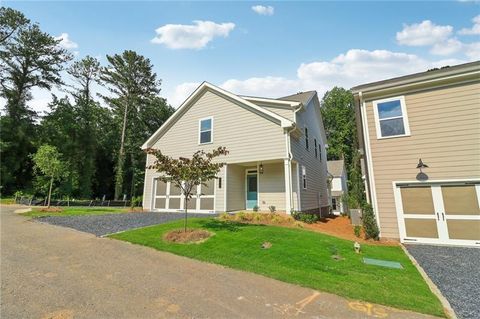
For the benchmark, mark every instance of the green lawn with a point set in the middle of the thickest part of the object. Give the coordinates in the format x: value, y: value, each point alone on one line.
x: 304, y: 258
x: 76, y: 211
x: 7, y: 200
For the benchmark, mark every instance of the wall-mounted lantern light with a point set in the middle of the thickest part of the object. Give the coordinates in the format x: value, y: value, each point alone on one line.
x: 260, y: 168
x: 421, y: 176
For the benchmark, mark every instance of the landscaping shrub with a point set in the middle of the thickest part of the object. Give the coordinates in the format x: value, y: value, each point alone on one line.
x: 260, y: 218
x: 255, y: 208
x: 305, y: 217
x: 370, y: 226
x: 356, y: 230
x: 272, y: 209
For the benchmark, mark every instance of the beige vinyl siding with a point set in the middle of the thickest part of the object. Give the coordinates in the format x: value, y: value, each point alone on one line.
x: 286, y: 112
x: 235, y: 187
x: 220, y: 192
x: 316, y: 194
x: 271, y: 187
x: 445, y: 134
x: 247, y: 136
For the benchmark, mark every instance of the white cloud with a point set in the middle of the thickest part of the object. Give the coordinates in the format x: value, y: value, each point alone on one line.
x: 475, y: 29
x: 194, y: 36
x: 447, y: 47
x: 472, y: 50
x: 348, y: 69
x: 263, y: 10
x: 424, y: 33
x: 65, y: 41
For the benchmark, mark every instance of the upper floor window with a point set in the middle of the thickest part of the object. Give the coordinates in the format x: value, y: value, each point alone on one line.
x: 205, y: 130
x: 316, y: 147
x: 320, y: 151
x: 306, y: 138
x: 391, y: 117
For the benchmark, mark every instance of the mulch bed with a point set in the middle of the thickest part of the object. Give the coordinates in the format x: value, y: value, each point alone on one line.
x: 340, y: 226
x: 191, y: 236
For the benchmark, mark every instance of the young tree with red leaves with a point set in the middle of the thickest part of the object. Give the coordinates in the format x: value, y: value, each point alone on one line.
x: 187, y: 173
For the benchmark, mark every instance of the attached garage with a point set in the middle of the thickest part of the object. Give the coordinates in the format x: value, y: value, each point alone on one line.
x: 439, y: 213
x: 168, y: 197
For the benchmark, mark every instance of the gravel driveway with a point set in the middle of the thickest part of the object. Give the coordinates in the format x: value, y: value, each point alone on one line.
x: 456, y: 272
x: 101, y: 225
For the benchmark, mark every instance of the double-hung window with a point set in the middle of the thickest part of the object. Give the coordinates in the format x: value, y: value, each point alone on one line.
x: 320, y: 151
x: 316, y: 147
x: 306, y: 138
x: 391, y: 117
x: 205, y: 130
x: 304, y: 177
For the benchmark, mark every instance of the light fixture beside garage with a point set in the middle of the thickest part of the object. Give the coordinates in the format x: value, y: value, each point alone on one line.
x: 421, y: 176
x: 260, y: 168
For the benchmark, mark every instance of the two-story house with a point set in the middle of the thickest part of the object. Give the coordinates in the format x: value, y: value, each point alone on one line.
x: 420, y: 138
x: 338, y: 186
x: 276, y: 154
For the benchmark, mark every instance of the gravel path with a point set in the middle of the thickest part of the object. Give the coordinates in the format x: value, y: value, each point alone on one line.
x: 101, y: 225
x: 456, y: 272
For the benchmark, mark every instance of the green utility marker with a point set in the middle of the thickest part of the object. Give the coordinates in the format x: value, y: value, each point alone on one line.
x: 382, y: 263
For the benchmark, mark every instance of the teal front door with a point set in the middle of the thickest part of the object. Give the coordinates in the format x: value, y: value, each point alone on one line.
x: 251, y: 191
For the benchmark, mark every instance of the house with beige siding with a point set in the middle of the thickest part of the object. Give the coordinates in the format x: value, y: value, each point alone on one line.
x: 420, y: 140
x: 338, y: 186
x: 276, y: 157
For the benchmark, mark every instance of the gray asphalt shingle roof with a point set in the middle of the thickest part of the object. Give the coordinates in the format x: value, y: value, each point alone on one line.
x: 335, y: 167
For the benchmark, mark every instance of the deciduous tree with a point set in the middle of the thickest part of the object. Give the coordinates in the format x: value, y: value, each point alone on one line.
x: 187, y: 173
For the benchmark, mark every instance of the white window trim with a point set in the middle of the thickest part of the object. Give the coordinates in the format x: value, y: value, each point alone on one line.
x: 200, y: 127
x: 404, y: 117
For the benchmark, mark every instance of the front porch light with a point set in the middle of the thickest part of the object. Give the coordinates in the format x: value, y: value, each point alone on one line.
x: 260, y: 168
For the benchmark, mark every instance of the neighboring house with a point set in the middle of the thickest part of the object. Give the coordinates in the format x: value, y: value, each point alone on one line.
x: 276, y: 152
x: 338, y: 186
x: 433, y: 116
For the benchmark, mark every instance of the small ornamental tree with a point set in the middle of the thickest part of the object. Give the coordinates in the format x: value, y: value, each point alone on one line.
x: 48, y: 161
x: 369, y: 223
x: 187, y: 173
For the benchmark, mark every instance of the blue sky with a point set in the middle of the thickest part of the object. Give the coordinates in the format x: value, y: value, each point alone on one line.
x: 277, y: 49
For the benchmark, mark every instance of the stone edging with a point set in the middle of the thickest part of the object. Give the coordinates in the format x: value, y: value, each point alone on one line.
x: 446, y: 305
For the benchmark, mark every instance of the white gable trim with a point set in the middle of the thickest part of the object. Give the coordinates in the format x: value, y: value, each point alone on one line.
x: 188, y: 102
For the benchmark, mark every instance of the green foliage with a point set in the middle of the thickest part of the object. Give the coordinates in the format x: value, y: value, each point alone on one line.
x: 356, y: 230
x: 256, y: 208
x: 303, y: 258
x: 136, y: 201
x: 305, y: 217
x: 369, y: 222
x: 340, y: 127
x: 186, y: 173
x: 29, y: 58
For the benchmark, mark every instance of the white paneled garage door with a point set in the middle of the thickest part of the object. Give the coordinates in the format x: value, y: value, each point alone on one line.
x: 169, y: 198
x: 443, y: 213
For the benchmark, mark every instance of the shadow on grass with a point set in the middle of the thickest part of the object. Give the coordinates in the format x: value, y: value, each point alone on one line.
x: 220, y: 225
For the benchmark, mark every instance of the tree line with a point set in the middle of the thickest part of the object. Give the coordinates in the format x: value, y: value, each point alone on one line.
x: 97, y: 136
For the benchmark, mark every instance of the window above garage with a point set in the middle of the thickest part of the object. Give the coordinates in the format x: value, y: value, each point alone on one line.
x: 391, y: 117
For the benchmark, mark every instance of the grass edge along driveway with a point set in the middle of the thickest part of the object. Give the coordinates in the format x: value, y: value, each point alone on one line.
x: 77, y: 211
x: 304, y: 258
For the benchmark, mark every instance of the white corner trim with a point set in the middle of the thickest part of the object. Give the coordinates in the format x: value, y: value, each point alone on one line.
x: 205, y: 85
x: 371, y: 177
x: 225, y: 188
x: 403, y: 106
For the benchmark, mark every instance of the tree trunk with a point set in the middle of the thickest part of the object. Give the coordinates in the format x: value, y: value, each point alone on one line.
x: 121, y: 155
x: 185, y: 221
x: 50, y: 192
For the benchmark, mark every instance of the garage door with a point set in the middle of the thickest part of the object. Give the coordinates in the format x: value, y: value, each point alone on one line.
x: 439, y: 213
x: 168, y: 197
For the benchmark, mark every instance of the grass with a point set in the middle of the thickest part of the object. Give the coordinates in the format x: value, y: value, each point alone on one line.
x: 7, y: 201
x: 77, y: 211
x: 304, y: 258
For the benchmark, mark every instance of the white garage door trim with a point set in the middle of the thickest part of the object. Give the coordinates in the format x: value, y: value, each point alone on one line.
x: 196, y: 197
x: 439, y: 215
